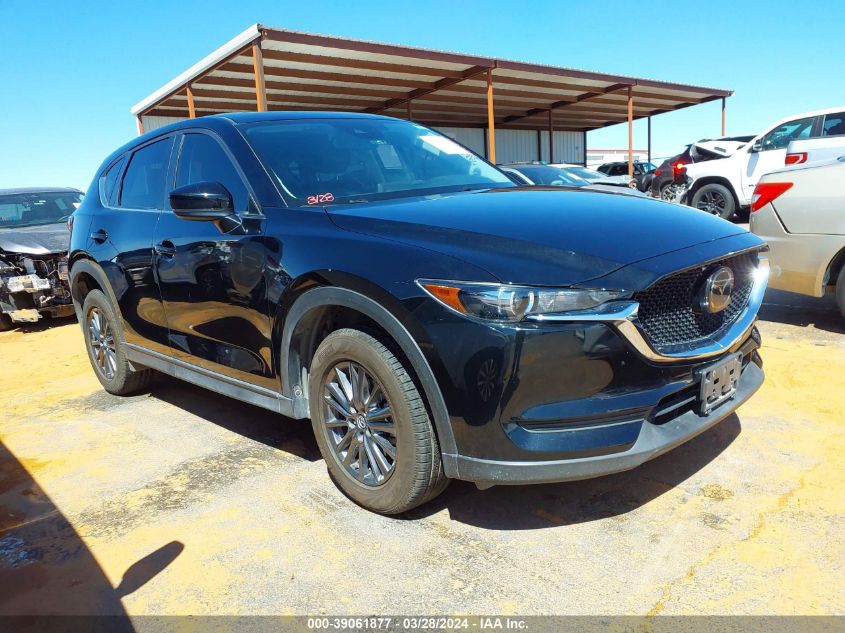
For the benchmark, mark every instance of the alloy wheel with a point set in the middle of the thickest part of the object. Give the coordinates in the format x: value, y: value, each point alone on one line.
x: 712, y: 202
x: 359, y: 423
x: 101, y: 340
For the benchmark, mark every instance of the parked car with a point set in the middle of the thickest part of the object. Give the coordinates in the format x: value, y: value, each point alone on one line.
x: 557, y: 176
x: 672, y: 172
x: 724, y: 186
x: 620, y: 168
x: 831, y: 143
x: 596, y: 177
x: 33, y: 253
x: 800, y: 212
x: 431, y: 318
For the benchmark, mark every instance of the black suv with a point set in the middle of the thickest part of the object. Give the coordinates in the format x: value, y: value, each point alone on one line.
x: 433, y: 319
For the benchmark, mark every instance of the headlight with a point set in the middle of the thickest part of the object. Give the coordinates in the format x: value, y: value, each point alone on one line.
x: 501, y: 302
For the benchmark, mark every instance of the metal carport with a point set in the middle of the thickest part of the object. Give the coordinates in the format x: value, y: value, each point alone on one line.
x: 274, y: 69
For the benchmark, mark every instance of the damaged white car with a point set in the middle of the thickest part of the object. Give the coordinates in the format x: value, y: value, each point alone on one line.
x: 33, y: 253
x: 724, y: 181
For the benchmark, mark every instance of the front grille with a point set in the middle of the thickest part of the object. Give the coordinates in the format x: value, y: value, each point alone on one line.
x: 667, y: 314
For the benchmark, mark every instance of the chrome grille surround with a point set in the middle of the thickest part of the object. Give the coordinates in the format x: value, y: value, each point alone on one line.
x: 624, y: 317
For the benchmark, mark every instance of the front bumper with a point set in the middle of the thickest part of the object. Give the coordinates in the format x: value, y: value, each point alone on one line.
x: 568, y: 397
x: 652, y: 440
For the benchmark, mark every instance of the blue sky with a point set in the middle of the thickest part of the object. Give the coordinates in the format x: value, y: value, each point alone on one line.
x: 70, y: 71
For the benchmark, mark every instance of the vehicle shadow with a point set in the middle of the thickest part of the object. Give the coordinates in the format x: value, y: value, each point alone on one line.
x: 47, y: 570
x: 47, y: 323
x: 802, y: 311
x: 272, y: 429
x: 549, y: 505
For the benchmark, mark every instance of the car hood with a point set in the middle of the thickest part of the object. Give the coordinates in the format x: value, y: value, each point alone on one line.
x: 537, y: 235
x: 43, y: 239
x: 715, y: 149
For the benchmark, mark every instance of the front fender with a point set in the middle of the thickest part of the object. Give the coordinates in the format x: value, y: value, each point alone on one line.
x: 294, y: 373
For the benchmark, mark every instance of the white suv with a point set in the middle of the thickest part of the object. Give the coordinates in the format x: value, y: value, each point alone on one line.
x: 724, y: 186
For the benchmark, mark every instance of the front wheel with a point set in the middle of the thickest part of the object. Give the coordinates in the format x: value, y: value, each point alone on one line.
x: 715, y: 199
x: 372, y: 426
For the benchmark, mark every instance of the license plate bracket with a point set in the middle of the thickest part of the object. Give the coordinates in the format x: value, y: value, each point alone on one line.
x: 718, y: 382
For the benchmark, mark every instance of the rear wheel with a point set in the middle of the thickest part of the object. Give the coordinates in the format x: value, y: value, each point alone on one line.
x: 5, y: 322
x: 106, y: 347
x: 667, y: 192
x: 372, y: 426
x: 716, y: 199
x: 840, y: 291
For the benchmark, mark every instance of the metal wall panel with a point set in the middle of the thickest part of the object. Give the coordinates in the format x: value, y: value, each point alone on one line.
x: 473, y: 138
x: 514, y: 146
x: 568, y: 147
x: 154, y: 122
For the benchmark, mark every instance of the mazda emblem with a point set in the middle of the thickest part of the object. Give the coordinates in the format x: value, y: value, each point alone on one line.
x: 715, y: 294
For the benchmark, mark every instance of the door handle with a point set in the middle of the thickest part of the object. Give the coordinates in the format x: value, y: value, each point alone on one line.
x: 165, y: 248
x: 99, y: 236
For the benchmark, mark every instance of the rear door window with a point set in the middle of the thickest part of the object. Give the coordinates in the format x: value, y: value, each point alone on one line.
x: 834, y: 124
x: 143, y: 182
x: 202, y: 159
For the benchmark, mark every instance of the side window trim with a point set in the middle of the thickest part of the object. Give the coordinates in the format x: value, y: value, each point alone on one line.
x: 111, y: 201
x: 252, y: 203
x: 130, y: 155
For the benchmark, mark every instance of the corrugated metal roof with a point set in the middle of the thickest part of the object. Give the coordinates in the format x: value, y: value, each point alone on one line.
x: 304, y: 71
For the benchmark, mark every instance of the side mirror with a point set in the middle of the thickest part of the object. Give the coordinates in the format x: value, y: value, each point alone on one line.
x: 757, y: 147
x: 202, y: 201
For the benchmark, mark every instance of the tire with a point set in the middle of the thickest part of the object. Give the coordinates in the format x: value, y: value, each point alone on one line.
x: 5, y: 322
x: 664, y: 193
x: 715, y: 199
x: 840, y: 291
x: 106, y: 347
x: 372, y: 477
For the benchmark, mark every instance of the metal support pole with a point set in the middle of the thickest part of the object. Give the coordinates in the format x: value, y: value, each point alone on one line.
x: 649, y: 139
x: 551, y: 138
x: 630, y: 132
x: 258, y: 69
x: 491, y: 123
x: 584, y: 146
x: 192, y: 110
x: 140, y: 124
x: 724, y: 132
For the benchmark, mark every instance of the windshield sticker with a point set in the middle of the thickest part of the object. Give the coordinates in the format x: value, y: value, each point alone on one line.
x: 446, y: 145
x: 320, y: 198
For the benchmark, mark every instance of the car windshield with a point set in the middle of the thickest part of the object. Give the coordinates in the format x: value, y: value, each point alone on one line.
x: 549, y: 175
x: 30, y: 209
x: 648, y: 167
x: 320, y: 161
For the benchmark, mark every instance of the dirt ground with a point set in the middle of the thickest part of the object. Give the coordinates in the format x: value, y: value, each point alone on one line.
x: 180, y: 501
